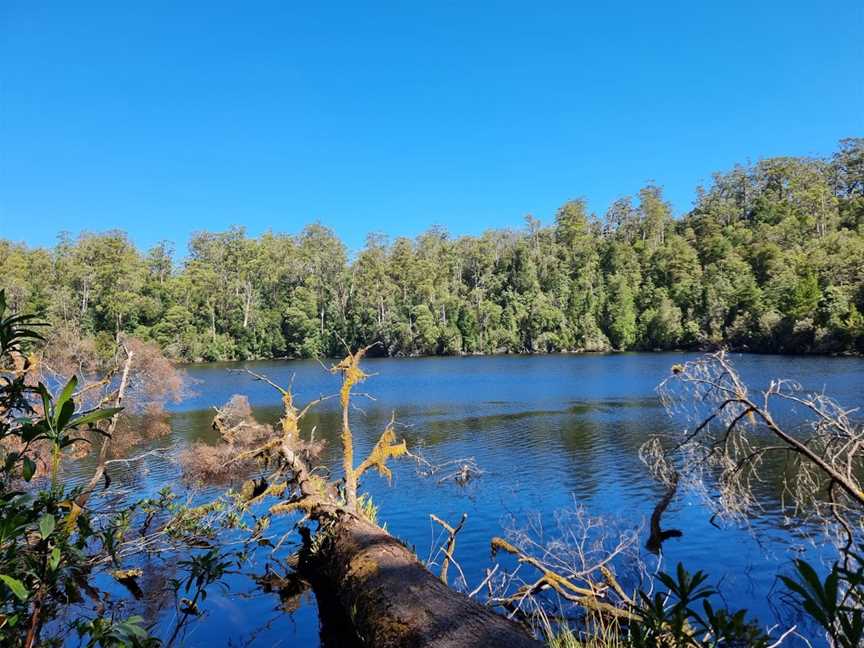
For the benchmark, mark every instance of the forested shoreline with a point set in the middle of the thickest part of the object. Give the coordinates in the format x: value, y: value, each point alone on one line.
x: 770, y: 259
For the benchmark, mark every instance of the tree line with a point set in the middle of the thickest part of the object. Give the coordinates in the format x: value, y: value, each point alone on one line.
x: 770, y: 258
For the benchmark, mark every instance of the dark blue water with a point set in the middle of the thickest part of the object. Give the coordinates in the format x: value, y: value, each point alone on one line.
x: 549, y: 432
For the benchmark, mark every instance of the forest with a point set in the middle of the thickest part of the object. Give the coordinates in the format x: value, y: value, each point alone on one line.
x: 770, y: 259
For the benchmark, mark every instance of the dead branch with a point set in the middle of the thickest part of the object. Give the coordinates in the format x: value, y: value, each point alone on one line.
x: 450, y: 548
x: 576, y: 566
x: 99, y: 473
x: 723, y: 453
x: 350, y: 559
x: 461, y: 471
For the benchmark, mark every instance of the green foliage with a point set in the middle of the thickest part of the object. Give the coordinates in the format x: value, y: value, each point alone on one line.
x: 107, y: 633
x: 836, y: 604
x: 44, y: 533
x: 683, y: 616
x: 49, y: 544
x: 621, y: 313
x: 367, y: 508
x: 564, y: 637
x: 203, y: 569
x: 55, y: 542
x: 769, y: 259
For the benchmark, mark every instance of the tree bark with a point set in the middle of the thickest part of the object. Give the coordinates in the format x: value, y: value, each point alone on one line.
x: 390, y: 597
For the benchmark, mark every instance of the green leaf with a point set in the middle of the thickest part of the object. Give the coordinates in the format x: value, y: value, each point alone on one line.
x: 133, y: 627
x: 94, y: 416
x: 46, y: 399
x: 64, y: 415
x: 810, y: 577
x: 54, y: 561
x: 28, y: 469
x: 794, y: 586
x: 31, y: 432
x: 16, y: 586
x: 46, y: 525
x: 28, y: 333
x: 66, y: 394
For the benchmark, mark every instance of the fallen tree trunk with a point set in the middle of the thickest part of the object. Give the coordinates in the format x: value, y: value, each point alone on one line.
x: 383, y: 591
x: 390, y: 597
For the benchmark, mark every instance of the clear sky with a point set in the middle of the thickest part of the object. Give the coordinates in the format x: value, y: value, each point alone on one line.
x: 162, y: 118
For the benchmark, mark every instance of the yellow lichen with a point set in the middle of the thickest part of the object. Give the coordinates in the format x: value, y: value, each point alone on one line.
x: 556, y: 581
x: 126, y: 574
x: 385, y: 449
x: 362, y: 568
x: 352, y: 374
x: 318, y: 485
x: 307, y: 505
x: 247, y: 489
x: 275, y: 490
x: 290, y: 420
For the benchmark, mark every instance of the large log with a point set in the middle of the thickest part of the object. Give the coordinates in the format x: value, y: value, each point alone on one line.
x: 391, y: 599
x: 382, y: 590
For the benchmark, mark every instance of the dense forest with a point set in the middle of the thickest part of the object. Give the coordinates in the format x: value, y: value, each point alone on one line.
x: 770, y: 258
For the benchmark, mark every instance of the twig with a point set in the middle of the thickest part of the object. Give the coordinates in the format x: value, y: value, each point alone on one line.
x: 451, y: 545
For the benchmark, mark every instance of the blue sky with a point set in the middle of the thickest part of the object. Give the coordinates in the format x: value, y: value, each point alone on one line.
x: 162, y: 118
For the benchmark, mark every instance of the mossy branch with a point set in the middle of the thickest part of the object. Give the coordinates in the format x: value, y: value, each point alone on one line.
x: 311, y: 492
x: 588, y: 598
x: 385, y: 449
x: 352, y: 374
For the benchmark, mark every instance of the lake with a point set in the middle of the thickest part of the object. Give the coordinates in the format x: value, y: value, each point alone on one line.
x: 549, y: 432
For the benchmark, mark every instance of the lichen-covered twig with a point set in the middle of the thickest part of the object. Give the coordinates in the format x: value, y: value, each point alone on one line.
x: 352, y: 374
x: 587, y: 597
x: 386, y: 448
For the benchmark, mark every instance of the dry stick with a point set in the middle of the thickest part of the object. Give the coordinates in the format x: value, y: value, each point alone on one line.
x: 489, y: 574
x: 615, y: 585
x: 783, y: 636
x: 658, y: 535
x: 262, y: 378
x: 850, y: 536
x: 500, y: 543
x: 451, y: 543
x: 150, y: 453
x: 99, y: 473
x: 95, y: 385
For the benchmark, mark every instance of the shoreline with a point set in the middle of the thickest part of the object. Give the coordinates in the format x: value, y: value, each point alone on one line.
x: 479, y: 354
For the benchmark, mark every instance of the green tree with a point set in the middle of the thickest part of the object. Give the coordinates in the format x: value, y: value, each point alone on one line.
x: 620, y: 313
